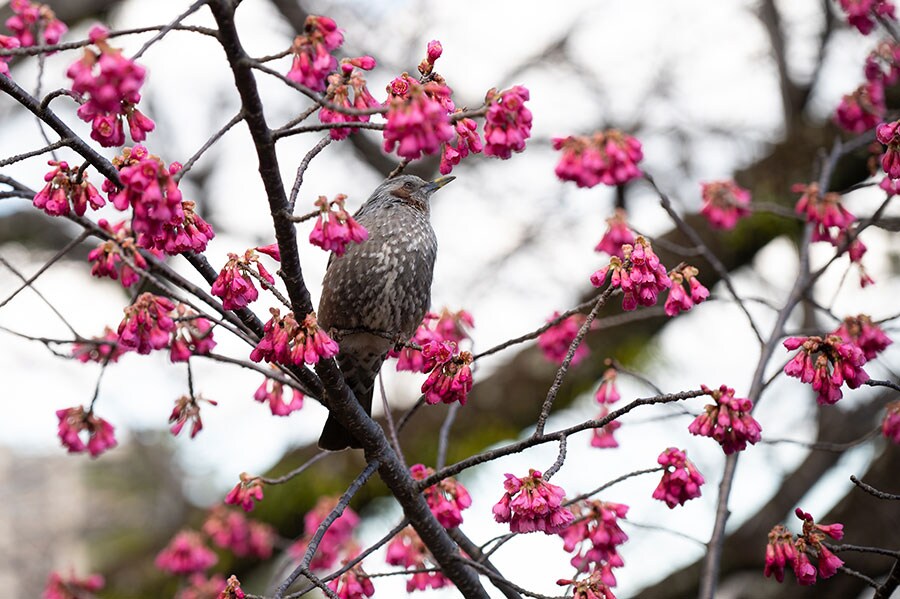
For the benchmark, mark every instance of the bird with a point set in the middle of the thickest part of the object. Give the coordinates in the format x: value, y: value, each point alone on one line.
x: 378, y: 291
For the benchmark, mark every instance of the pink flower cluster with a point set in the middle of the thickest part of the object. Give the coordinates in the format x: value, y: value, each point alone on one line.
x: 609, y: 157
x: 104, y: 349
x: 417, y: 118
x: 75, y: 421
x: 728, y: 421
x: 335, y: 228
x: 187, y: 408
x: 111, y: 82
x: 232, y: 530
x: 234, y: 285
x: 640, y: 275
x: 313, y: 60
x: 889, y: 135
x: 449, y: 378
x: 865, y: 334
x: 603, y: 437
x: 286, y: 341
x: 594, y: 536
x: 531, y: 504
x: 246, y: 493
x: 114, y: 257
x: 447, y: 499
x: 70, y: 587
x: 607, y: 393
x: 826, y: 363
x: 724, y: 203
x: 64, y: 186
x: 556, y: 340
x: 591, y: 587
x: 31, y: 20
x: 863, y: 14
x: 883, y: 63
x: 680, y: 300
x: 272, y: 391
x: 352, y: 584
x: 338, y: 537
x: 824, y: 211
x: 617, y: 234
x: 446, y: 326
x: 408, y: 550
x: 785, y: 550
x: 890, y: 426
x: 507, y: 123
x: 339, y: 87
x: 863, y: 109
x: 186, y: 553
x: 681, y: 481
x: 147, y: 324
x: 192, y: 335
x: 7, y: 43
x: 467, y: 141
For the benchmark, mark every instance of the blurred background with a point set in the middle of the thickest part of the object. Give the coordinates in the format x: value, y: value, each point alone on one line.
x: 712, y: 90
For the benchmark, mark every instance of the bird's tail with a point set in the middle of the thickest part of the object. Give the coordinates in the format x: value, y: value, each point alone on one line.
x: 359, y: 371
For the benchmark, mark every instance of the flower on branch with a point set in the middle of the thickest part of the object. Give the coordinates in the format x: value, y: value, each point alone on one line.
x: 7, y: 43
x: 339, y: 87
x: 609, y: 157
x: 594, y: 536
x: 65, y: 186
x: 724, y: 203
x: 507, y: 123
x: 865, y: 334
x: 192, y: 336
x: 70, y: 587
x: 883, y: 63
x: 230, y: 529
x: 147, y: 324
x: 603, y: 436
x: 417, y: 118
x: 890, y: 426
x: 186, y: 553
x: 681, y: 481
x: 30, y: 20
x: 234, y: 285
x: 113, y: 258
x: 408, y: 550
x: 826, y: 363
x: 186, y: 409
x: 312, y: 49
x: 532, y: 504
x: 272, y: 391
x: 592, y: 587
x: 286, y: 341
x: 607, y: 393
x: 679, y: 300
x: 75, y: 424
x: 338, y: 538
x: 467, y: 141
x: 863, y: 109
x: 863, y: 14
x: 617, y: 234
x: 784, y: 549
x: 640, y: 275
x: 335, y: 228
x: 352, y: 584
x: 445, y: 326
x: 888, y: 134
x: 824, y: 211
x: 446, y: 499
x: 450, y: 377
x: 728, y: 421
x: 246, y: 493
x: 104, y: 349
x: 555, y: 341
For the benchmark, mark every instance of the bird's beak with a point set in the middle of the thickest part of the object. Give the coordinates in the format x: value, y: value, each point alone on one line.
x: 433, y: 186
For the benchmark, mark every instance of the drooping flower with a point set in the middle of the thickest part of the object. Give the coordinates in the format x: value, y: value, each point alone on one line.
x: 338, y: 538
x: 147, y: 323
x: 640, y: 275
x: 888, y: 134
x: 609, y: 157
x: 728, y: 421
x: 467, y: 141
x: 271, y: 391
x: 335, y: 228
x: 890, y: 426
x: 724, y: 203
x: 417, y: 120
x: 286, y: 341
x: 603, y: 437
x: 186, y: 553
x: 312, y: 49
x: 190, y: 234
x: 555, y: 341
x: 75, y: 424
x: 193, y: 335
x: 826, y: 211
x: 103, y: 349
x: 64, y: 186
x: 408, y: 550
x: 446, y: 499
x: 234, y: 283
x: 867, y: 335
x: 339, y: 87
x: 827, y: 364
x: 507, y: 123
x: 785, y: 550
x: 352, y: 584
x: 246, y: 493
x: 592, y: 587
x: 71, y: 587
x: 617, y: 234
x: 863, y: 109
x: 530, y: 504
x: 681, y: 481
x: 863, y: 14
x: 679, y: 300
x: 7, y: 43
x: 594, y: 536
x: 187, y: 409
x: 607, y: 393
x: 31, y: 20
x: 883, y: 63
x: 449, y: 378
x: 114, y: 257
x: 230, y: 529
x: 443, y: 326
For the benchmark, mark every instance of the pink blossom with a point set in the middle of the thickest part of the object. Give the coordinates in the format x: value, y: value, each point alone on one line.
x: 592, y: 587
x: 863, y: 109
x: 889, y: 135
x: 287, y: 342
x: 339, y: 87
x: 445, y: 326
x: 603, y: 436
x: 780, y: 552
x: 232, y: 530
x: 418, y: 121
x: 595, y: 534
x: 556, y: 340
x: 114, y: 257
x: 313, y: 60
x: 681, y: 481
x: 724, y: 203
x: 446, y: 499
x: 70, y: 587
x: 30, y: 20
x: 246, y: 493
x: 435, y: 49
x: 104, y: 349
x: 507, y: 123
x: 531, y: 504
x: 449, y: 378
x: 186, y: 553
x: 640, y: 275
x: 890, y: 426
x: 865, y: 334
x: 192, y: 336
x: 862, y: 14
x: 191, y: 234
x: 728, y: 421
x: 617, y: 234
x: 7, y: 43
x: 335, y: 228
x: 232, y: 589
x: 338, y: 537
x: 352, y: 584
x: 609, y: 157
x: 826, y: 364
x: 883, y: 63
x: 234, y: 285
x: 467, y: 141
x: 272, y: 391
x: 607, y: 393
x: 187, y: 409
x: 64, y: 186
x: 679, y: 300
x: 826, y: 212
x: 147, y: 323
x: 784, y: 550
x: 408, y: 550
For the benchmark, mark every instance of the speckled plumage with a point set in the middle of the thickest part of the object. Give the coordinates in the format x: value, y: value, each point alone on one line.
x: 382, y: 285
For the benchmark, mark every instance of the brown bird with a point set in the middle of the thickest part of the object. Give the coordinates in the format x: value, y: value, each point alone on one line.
x: 378, y: 292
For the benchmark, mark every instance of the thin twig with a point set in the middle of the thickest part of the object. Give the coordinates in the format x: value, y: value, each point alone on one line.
x: 872, y: 490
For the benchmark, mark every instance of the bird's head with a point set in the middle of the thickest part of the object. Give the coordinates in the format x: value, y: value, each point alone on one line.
x: 411, y: 190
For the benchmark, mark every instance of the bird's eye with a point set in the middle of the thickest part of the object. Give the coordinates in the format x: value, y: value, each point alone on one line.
x: 409, y: 185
